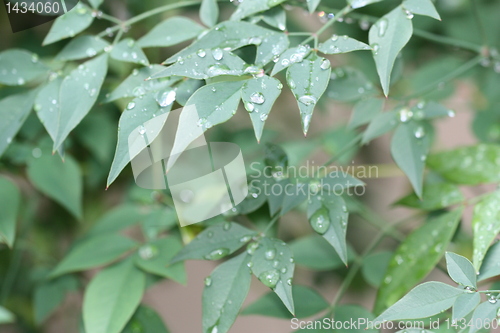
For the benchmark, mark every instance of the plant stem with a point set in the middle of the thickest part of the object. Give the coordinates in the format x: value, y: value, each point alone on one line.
x: 340, y: 14
x: 344, y: 150
x: 272, y: 222
x: 111, y: 19
x: 479, y: 22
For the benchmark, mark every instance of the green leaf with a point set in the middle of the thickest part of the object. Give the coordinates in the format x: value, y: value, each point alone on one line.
x: 308, y: 80
x: 387, y: 38
x: 10, y: 197
x: 6, y: 317
x: 273, y: 265
x: 349, y: 84
x: 375, y: 266
x: 435, y: 196
x: 410, y: 145
x: 315, y: 253
x: 421, y: 7
x: 225, y: 290
x: 50, y: 294
x: 353, y: 313
x: 361, y: 3
x: 486, y: 225
x: 186, y: 89
x: 145, y: 320
x: 79, y: 91
x: 471, y: 165
x: 206, y: 63
x: 158, y: 221
x: 82, y: 47
x: 94, y: 252
x: 247, y: 8
x: 123, y: 286
x: 365, y: 111
x: 309, y: 303
x: 423, y: 301
x: 141, y: 110
x: 461, y: 270
x: 484, y: 316
x: 312, y: 5
x: 117, y: 219
x: 416, y: 257
x: 68, y: 25
x: 128, y: 50
x: 290, y: 57
x: 328, y: 216
x: 259, y: 95
x: 431, y: 110
x: 342, y: 44
x: 47, y: 106
x: 95, y: 3
x: 231, y: 35
x: 339, y: 180
x: 491, y: 263
x: 216, y: 242
x: 61, y: 181
x: 215, y: 103
x: 14, y: 110
x: 464, y: 305
x: 275, y: 17
x: 154, y: 257
x: 19, y: 66
x: 170, y: 32
x: 209, y: 12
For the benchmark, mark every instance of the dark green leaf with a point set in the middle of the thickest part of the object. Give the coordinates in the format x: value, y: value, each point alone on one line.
x: 128, y: 50
x: 82, y: 47
x: 19, y: 66
x: 342, y: 44
x: 375, y: 266
x: 312, y: 5
x: 47, y: 106
x: 349, y: 84
x: 95, y: 3
x: 68, y: 25
x: 10, y: 197
x: 145, y: 320
x: 365, y: 110
x: 486, y: 225
x: 50, y: 294
x: 117, y: 219
x: 171, y: 32
x: 275, y: 17
x: 354, y: 313
x: 209, y: 12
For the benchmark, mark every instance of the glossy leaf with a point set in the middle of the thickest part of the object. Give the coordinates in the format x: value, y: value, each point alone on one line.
x: 308, y: 301
x: 422, y: 7
x: 170, y: 32
x: 258, y: 96
x: 128, y: 50
x: 491, y: 263
x: 14, y: 110
x: 78, y: 93
x: 82, y: 47
x: 349, y: 84
x: 484, y: 316
x: 312, y: 5
x: 375, y: 266
x: 6, y: 317
x: 409, y: 148
x: 387, y: 38
x: 290, y: 57
x: 123, y: 285
x: 225, y: 290
x: 461, y: 270
x: 61, y: 181
x: 434, y: 196
x: 361, y: 3
x: 50, y: 294
x: 365, y: 110
x: 93, y: 252
x: 273, y: 264
x: 308, y: 81
x: 247, y: 8
x: 19, y: 66
x: 68, y: 25
x: 10, y: 197
x: 342, y: 44
x: 416, y: 256
x: 486, y: 225
x: 470, y: 165
x: 216, y: 242
x: 209, y: 12
x: 145, y: 320
x: 47, y: 106
x: 425, y: 300
x: 465, y: 304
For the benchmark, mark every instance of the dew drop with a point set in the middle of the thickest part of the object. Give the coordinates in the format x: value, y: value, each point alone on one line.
x: 270, y: 254
x: 257, y: 98
x: 320, y: 221
x: 409, y: 15
x: 252, y: 247
x: 142, y: 130
x: 375, y: 48
x: 208, y: 281
x: 130, y: 106
x: 382, y: 27
x: 419, y: 132
x: 226, y: 226
x: 166, y: 98
x: 147, y: 252
x: 263, y: 117
x: 201, y: 53
x: 217, y: 54
x: 451, y: 113
x: 270, y: 278
x: 217, y: 254
x: 405, y: 115
x: 249, y: 106
x: 307, y: 100
x: 325, y: 64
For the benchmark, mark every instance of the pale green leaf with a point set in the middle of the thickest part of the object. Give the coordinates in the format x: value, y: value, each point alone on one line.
x: 361, y: 3
x: 464, y: 305
x: 14, y: 110
x: 10, y: 197
x: 247, y: 8
x: 273, y: 264
x: 50, y: 294
x: 68, y: 25
x: 209, y: 12
x: 349, y: 84
x: 186, y: 89
x: 94, y: 252
x: 461, y: 270
x: 61, y: 181
x: 375, y: 266
x: 82, y: 47
x: 290, y: 57
x: 431, y: 110
x: 19, y: 66
x: 158, y: 221
x: 145, y: 320
x: 486, y: 225
x: 170, y: 32
x: 410, y: 145
x: 78, y: 93
x: 339, y: 180
x: 47, y: 106
x: 95, y: 3
x: 275, y: 17
x: 491, y: 263
x: 259, y: 95
x: 312, y: 5
x: 112, y: 297
x: 470, y: 165
x: 425, y: 300
x: 6, y: 317
x: 387, y: 38
x: 308, y: 303
x: 484, y: 316
x: 216, y: 242
x: 342, y: 44
x: 421, y: 7
x: 117, y: 219
x: 356, y: 314
x: 308, y: 80
x: 434, y: 196
x: 365, y: 110
x: 416, y: 256
x: 128, y: 50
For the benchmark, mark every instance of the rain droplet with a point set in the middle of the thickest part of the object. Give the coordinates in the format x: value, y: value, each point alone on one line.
x: 91, y: 52
x: 270, y: 278
x: 263, y: 117
x: 307, y: 100
x: 147, y: 252
x: 208, y: 281
x: 409, y: 15
x: 130, y: 106
x: 34, y: 58
x: 285, y: 62
x: 252, y: 247
x: 289, y: 281
x: 166, y: 98
x: 382, y: 27
x: 245, y: 239
x: 451, y: 113
x: 325, y: 64
x: 257, y: 98
x: 375, y: 48
x: 201, y: 53
x: 405, y: 115
x: 20, y: 81
x: 270, y: 254
x: 419, y: 132
x: 142, y: 130
x: 227, y: 226
x: 320, y: 221
x: 249, y: 106
x: 217, y: 254
x: 217, y: 54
